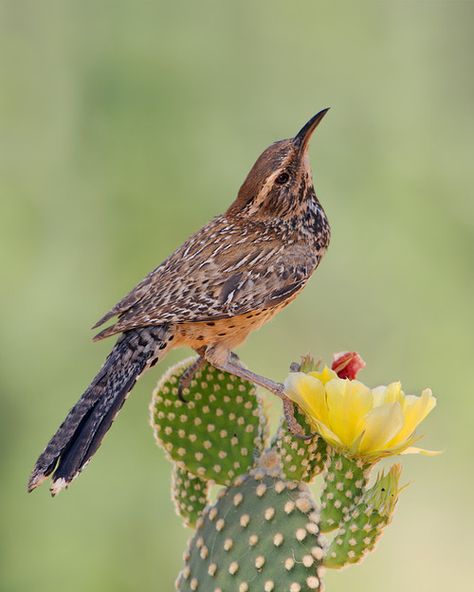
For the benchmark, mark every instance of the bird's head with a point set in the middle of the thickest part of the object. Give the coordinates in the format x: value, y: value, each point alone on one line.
x: 280, y: 181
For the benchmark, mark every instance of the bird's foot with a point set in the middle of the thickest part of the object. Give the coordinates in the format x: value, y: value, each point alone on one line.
x: 293, y: 424
x: 226, y: 361
x: 234, y: 358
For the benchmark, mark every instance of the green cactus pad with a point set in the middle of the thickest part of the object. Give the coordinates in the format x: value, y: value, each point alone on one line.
x: 345, y: 482
x: 189, y: 494
x: 364, y: 525
x: 218, y: 431
x: 260, y: 535
x: 301, y: 460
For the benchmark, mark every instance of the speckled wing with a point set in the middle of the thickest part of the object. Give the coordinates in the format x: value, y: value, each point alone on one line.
x: 218, y: 273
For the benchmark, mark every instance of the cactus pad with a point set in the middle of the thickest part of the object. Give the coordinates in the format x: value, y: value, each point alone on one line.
x: 217, y: 432
x: 301, y: 460
x: 189, y: 494
x: 363, y: 526
x: 345, y: 482
x: 260, y: 535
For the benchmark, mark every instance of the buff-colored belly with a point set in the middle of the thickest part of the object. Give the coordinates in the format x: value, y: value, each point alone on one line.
x: 229, y: 332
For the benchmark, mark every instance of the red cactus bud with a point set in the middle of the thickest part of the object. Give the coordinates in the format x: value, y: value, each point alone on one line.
x: 347, y: 364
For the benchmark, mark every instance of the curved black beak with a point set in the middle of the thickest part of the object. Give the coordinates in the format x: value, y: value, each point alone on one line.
x: 302, y: 138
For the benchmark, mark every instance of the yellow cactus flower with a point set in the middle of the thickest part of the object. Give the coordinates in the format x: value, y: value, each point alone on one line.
x: 357, y: 420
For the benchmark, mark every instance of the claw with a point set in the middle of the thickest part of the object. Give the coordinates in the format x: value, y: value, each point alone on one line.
x: 234, y: 358
x: 304, y: 436
x: 181, y: 388
x: 184, y: 381
x: 293, y: 425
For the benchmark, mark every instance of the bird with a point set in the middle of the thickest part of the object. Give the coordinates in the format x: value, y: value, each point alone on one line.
x: 227, y: 280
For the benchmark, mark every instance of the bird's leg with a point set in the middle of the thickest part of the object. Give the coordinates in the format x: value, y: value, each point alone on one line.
x: 289, y: 411
x: 225, y: 361
x: 184, y: 381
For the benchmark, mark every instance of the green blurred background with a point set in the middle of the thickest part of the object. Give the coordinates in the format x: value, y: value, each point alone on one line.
x: 124, y: 126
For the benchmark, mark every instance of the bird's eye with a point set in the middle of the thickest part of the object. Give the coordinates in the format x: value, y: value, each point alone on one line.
x: 282, y: 178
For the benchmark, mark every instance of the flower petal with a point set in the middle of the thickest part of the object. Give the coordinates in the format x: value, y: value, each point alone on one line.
x: 415, y: 409
x: 378, y: 395
x: 394, y: 393
x: 330, y: 437
x: 381, y: 425
x: 388, y: 394
x: 371, y: 424
x: 308, y: 393
x: 423, y: 451
x: 348, y: 403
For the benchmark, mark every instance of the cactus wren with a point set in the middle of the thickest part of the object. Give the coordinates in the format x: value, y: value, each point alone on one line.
x: 224, y: 282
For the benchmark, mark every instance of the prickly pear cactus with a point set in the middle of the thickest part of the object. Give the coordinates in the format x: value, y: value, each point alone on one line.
x: 220, y: 428
x: 363, y: 526
x: 344, y: 486
x: 265, y: 531
x: 301, y: 460
x: 189, y: 494
x: 261, y: 534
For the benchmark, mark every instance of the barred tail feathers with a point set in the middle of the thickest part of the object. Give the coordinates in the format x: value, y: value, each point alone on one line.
x: 81, y: 433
